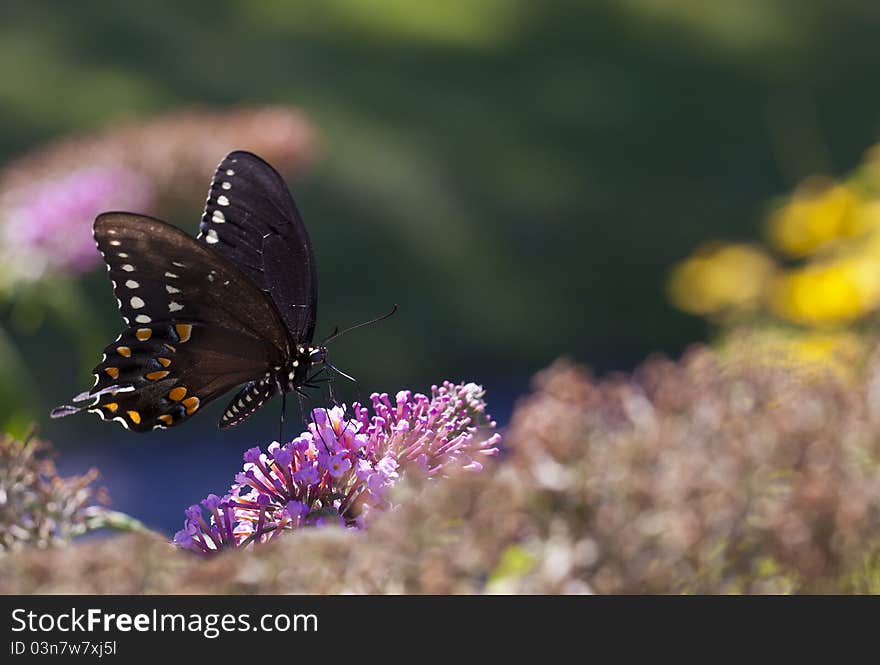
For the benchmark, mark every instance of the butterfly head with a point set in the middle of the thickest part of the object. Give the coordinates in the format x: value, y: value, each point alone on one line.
x: 317, y: 355
x: 302, y: 366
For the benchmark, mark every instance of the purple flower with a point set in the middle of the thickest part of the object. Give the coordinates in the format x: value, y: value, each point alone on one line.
x: 308, y: 481
x: 252, y: 455
x: 308, y: 474
x: 338, y: 465
x: 185, y: 537
x: 283, y: 457
x: 296, y: 510
x: 48, y: 226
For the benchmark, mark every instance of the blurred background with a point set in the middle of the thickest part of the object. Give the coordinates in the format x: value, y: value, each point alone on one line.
x: 524, y: 179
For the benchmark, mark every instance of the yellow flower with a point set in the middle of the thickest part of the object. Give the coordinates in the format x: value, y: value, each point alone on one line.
x: 816, y: 215
x: 841, y: 351
x: 837, y: 291
x: 720, y: 277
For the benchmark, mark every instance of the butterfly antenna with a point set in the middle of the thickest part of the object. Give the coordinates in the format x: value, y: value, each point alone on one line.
x: 337, y: 333
x: 341, y: 373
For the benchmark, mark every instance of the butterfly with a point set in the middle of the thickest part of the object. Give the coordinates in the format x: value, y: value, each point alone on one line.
x: 235, y: 306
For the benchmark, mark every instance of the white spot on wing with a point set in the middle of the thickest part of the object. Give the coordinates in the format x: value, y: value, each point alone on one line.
x: 128, y: 267
x: 137, y: 303
x: 222, y: 200
x: 142, y: 318
x: 211, y: 237
x: 172, y: 275
x: 171, y: 289
x: 115, y: 243
x: 132, y: 284
x: 174, y: 306
x: 226, y: 185
x: 218, y: 217
x: 230, y: 172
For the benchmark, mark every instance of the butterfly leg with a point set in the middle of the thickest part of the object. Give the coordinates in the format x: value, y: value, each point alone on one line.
x: 356, y: 383
x: 302, y: 406
x: 303, y: 395
x: 331, y: 381
x: 281, y: 420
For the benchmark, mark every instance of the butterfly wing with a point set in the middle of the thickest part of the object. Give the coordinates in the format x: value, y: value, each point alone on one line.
x: 251, y: 220
x: 160, y: 374
x: 159, y: 273
x: 197, y: 325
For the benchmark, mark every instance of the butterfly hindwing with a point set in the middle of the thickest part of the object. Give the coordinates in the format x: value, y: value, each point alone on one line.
x: 158, y: 375
x: 250, y: 219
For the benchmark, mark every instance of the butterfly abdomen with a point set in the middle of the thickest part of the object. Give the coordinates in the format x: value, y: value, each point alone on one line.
x: 248, y: 401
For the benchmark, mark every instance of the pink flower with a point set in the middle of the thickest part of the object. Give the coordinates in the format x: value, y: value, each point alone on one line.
x: 308, y: 481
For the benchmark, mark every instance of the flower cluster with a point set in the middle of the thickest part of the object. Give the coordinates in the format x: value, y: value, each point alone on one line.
x: 819, y: 267
x: 50, y: 197
x: 713, y: 474
x: 38, y: 508
x: 340, y: 469
x: 700, y: 475
x: 40, y: 234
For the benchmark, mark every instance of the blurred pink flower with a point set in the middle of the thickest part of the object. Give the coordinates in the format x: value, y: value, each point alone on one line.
x: 49, y: 227
x: 50, y: 196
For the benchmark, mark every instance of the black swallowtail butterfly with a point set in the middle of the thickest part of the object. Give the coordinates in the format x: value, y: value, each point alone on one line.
x: 236, y: 305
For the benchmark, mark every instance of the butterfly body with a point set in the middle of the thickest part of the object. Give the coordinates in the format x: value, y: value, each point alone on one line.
x: 236, y: 305
x: 290, y: 376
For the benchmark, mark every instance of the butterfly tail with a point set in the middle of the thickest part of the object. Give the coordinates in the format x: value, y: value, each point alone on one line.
x: 65, y: 410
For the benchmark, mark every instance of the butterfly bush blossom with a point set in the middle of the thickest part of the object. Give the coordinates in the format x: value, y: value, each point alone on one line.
x: 339, y: 471
x: 42, y: 233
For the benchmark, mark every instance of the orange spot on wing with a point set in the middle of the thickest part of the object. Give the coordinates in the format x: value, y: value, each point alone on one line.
x: 143, y: 334
x: 123, y: 351
x: 135, y: 417
x: 169, y: 347
x: 184, y: 330
x: 191, y: 404
x: 111, y: 407
x: 177, y: 394
x: 113, y: 372
x: 167, y: 419
x: 164, y: 361
x: 155, y: 376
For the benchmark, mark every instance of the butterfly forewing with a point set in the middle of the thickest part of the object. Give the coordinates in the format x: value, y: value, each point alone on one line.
x: 249, y: 216
x: 159, y: 273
